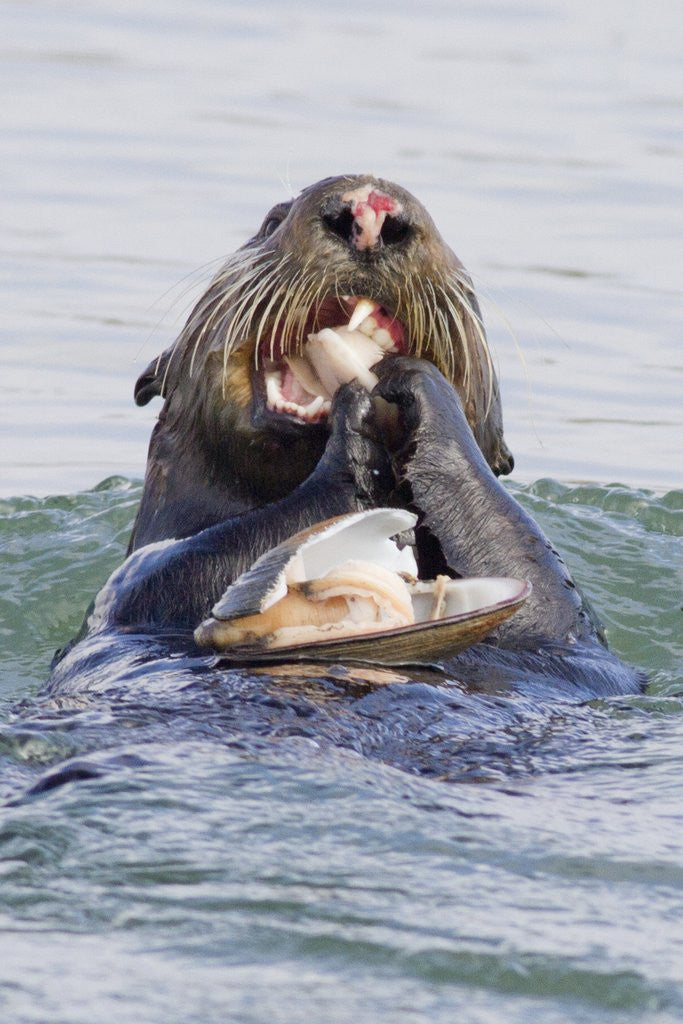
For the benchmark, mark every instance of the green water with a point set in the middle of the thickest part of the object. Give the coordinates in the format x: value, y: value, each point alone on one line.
x: 219, y: 870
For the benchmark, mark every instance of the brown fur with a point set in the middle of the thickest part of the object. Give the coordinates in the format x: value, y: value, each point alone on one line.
x: 216, y: 450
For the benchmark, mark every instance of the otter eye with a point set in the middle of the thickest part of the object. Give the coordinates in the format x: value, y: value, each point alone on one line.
x: 274, y: 219
x: 270, y: 225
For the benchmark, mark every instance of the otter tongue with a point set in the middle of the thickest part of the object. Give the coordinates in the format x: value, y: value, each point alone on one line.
x: 340, y: 356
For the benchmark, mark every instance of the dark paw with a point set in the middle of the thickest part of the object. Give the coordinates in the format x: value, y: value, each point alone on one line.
x: 426, y: 401
x: 355, y: 454
x: 352, y: 411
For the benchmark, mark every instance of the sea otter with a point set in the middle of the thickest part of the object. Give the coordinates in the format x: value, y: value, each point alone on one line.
x: 239, y: 428
x: 338, y: 362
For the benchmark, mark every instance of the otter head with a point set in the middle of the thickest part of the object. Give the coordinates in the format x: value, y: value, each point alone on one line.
x: 349, y: 272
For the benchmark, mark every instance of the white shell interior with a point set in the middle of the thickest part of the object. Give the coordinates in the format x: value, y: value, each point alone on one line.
x: 348, y: 577
x: 362, y: 536
x: 467, y: 595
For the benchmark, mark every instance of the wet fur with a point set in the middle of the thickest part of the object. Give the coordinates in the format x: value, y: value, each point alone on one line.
x: 223, y: 487
x: 469, y: 524
x: 213, y: 452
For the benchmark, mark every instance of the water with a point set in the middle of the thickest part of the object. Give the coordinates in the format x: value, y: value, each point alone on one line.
x: 256, y: 850
x: 239, y: 849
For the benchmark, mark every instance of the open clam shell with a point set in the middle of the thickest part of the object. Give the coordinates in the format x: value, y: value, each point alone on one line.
x: 346, y: 590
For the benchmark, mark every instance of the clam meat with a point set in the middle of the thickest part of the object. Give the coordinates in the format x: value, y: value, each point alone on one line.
x: 303, y: 384
x: 349, y: 587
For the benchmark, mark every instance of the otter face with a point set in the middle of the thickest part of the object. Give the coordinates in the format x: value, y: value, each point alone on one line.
x: 350, y: 272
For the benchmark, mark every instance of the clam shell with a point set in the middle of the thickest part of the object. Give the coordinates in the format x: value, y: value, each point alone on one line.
x: 468, y: 609
x: 421, y: 644
x: 313, y: 552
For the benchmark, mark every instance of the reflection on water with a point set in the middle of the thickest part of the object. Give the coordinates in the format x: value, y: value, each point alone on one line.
x: 141, y: 143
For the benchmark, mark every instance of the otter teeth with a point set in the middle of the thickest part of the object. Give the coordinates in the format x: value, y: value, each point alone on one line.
x: 368, y: 327
x: 273, y: 392
x: 362, y: 310
x: 364, y: 320
x: 318, y: 407
x: 305, y: 384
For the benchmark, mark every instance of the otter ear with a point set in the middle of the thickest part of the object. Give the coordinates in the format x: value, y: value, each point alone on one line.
x: 150, y: 383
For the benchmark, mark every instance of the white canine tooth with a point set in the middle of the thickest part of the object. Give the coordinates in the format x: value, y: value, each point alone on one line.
x: 315, y: 406
x: 369, y: 326
x: 273, y: 392
x: 363, y: 309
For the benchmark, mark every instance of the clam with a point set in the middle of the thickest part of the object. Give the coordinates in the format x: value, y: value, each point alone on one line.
x: 347, y: 589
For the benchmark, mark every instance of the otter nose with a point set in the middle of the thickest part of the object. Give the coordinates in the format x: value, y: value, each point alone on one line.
x: 366, y: 219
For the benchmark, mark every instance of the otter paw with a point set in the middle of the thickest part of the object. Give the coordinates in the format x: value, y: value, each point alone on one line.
x: 426, y: 402
x: 352, y: 412
x: 355, y: 455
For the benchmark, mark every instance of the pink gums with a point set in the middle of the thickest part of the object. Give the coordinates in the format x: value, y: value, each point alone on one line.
x: 393, y: 326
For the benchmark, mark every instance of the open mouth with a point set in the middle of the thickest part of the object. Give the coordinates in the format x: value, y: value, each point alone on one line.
x: 347, y: 337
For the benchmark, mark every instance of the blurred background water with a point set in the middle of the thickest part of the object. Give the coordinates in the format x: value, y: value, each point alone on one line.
x: 209, y: 875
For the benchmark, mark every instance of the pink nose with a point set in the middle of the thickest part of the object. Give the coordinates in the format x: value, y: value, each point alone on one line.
x: 367, y: 218
x: 369, y: 209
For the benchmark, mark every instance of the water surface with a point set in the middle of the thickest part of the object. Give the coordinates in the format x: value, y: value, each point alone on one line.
x: 144, y: 142
x: 221, y: 856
